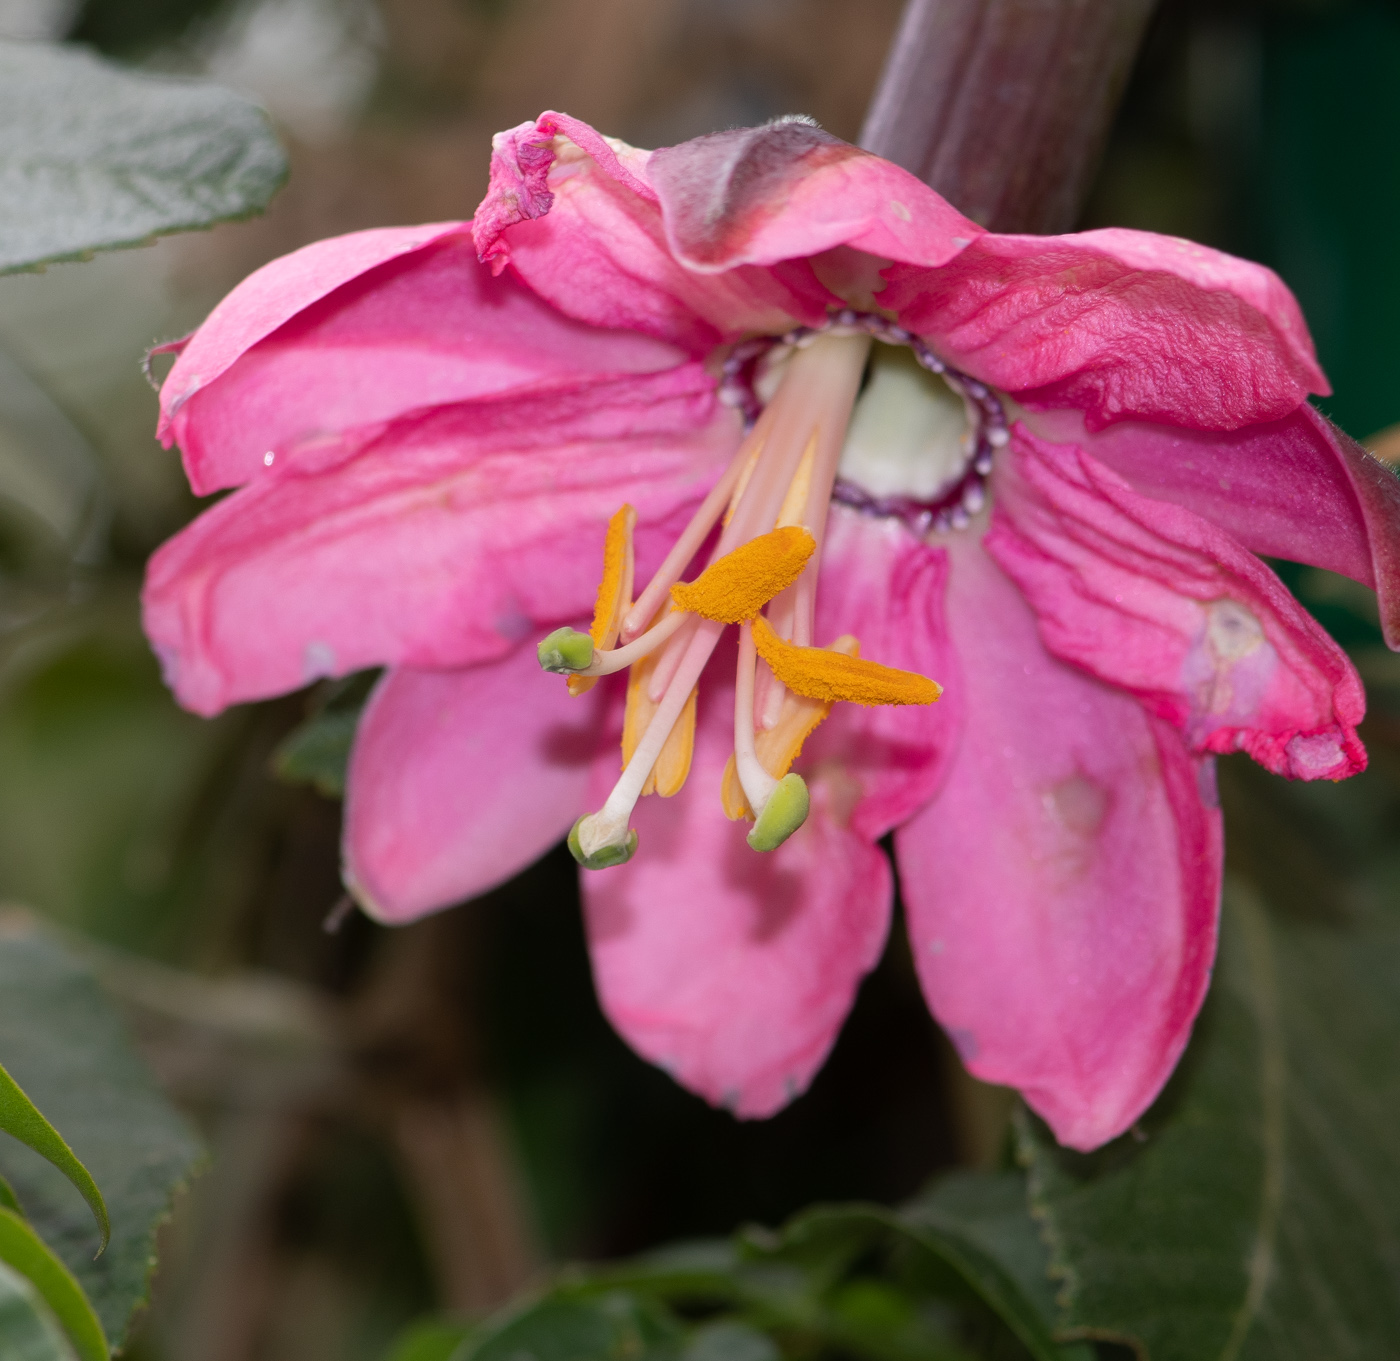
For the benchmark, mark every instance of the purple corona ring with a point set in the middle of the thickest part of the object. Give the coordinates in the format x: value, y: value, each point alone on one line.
x: 1039, y: 471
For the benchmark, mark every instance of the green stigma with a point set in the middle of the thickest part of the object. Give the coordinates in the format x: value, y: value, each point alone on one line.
x: 605, y: 857
x: 782, y: 815
x: 566, y: 651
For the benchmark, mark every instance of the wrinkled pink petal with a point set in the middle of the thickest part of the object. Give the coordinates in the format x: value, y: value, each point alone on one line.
x: 275, y: 293
x: 732, y: 970
x: 1118, y: 324
x: 518, y: 191
x: 755, y: 196
x: 459, y: 779
x: 1063, y: 889
x: 1297, y: 488
x: 1154, y: 599
x: 885, y: 586
x: 426, y: 327
x: 441, y: 542
x: 598, y: 250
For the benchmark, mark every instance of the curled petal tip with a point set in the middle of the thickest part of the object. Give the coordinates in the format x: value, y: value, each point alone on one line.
x: 785, y: 811
x: 566, y: 651
x: 605, y: 856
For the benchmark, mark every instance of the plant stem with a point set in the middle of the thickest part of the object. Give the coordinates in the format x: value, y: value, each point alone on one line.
x: 1003, y: 106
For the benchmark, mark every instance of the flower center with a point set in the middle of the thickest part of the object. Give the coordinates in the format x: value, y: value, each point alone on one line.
x: 772, y: 505
x: 922, y: 436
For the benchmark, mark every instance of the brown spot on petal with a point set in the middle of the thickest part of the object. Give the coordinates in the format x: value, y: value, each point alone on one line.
x: 1079, y: 804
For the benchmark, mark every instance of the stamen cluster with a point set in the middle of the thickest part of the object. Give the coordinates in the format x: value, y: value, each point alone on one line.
x: 772, y: 504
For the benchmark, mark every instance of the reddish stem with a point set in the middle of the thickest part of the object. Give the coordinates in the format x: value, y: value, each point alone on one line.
x: 1003, y: 106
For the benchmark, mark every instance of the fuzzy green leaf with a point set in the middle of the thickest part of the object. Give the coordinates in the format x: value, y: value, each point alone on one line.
x: 67, y: 1047
x: 1256, y: 1214
x: 23, y: 1249
x: 93, y: 156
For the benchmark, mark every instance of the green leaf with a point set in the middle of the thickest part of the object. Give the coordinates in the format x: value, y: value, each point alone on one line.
x: 67, y: 1047
x: 28, y: 1329
x: 728, y: 1340
x: 1256, y: 1215
x: 93, y: 156
x: 21, y: 1118
x: 983, y: 1216
x: 950, y: 1243
x: 609, y: 1327
x: 430, y: 1339
x: 318, y: 751
x: 23, y: 1249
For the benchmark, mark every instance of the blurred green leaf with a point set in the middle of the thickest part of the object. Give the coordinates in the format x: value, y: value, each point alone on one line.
x: 318, y: 751
x: 982, y: 1216
x: 431, y: 1339
x: 68, y: 1048
x: 934, y: 1225
x: 957, y: 1275
x: 93, y: 156
x: 21, y: 1118
x: 729, y: 1341
x: 28, y: 1329
x: 609, y: 1327
x: 1255, y: 1216
x: 22, y: 1249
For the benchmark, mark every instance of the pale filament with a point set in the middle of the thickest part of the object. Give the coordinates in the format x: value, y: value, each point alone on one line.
x: 691, y: 538
x: 758, y: 784
x: 813, y: 403
x: 667, y: 663
x: 609, y: 824
x: 792, y: 614
x: 607, y: 660
x: 831, y: 441
x: 806, y: 387
x: 768, y: 691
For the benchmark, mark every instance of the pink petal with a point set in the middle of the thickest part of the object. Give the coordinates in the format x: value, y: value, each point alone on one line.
x: 1117, y: 324
x: 276, y: 293
x: 1063, y: 889
x: 581, y: 225
x: 1297, y: 488
x: 441, y: 542
x: 279, y: 361
x: 1154, y: 599
x: 886, y: 587
x: 755, y: 196
x: 459, y: 779
x: 732, y: 970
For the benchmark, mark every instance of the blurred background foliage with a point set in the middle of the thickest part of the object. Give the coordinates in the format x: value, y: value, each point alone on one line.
x: 426, y: 1118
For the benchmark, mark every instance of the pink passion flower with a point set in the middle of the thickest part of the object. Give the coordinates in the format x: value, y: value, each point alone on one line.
x: 1038, y: 470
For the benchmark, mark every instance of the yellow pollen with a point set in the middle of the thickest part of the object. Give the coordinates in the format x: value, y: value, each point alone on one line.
x: 819, y: 673
x: 742, y: 582
x: 779, y: 746
x: 614, y: 590
x: 673, y: 764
